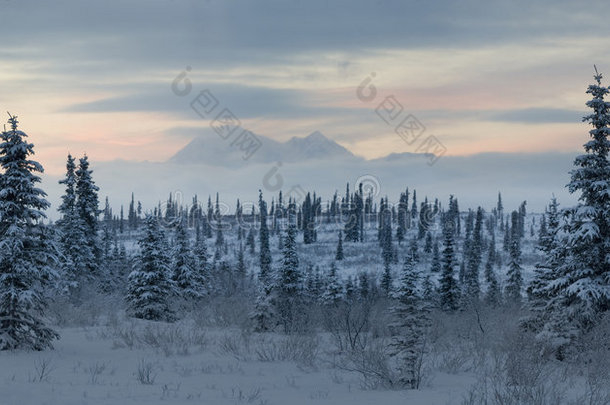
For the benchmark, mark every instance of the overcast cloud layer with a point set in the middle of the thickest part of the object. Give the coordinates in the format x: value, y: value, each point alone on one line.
x: 482, y: 76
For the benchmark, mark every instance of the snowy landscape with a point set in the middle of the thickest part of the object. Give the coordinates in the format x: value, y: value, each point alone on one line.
x: 277, y: 227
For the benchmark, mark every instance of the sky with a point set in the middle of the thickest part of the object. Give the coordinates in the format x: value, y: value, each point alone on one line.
x: 116, y: 80
x: 481, y: 76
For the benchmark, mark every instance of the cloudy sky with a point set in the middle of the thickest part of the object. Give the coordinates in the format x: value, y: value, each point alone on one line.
x: 482, y: 76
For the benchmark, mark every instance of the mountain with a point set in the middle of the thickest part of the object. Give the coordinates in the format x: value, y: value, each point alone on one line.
x: 315, y: 146
x: 210, y: 149
x: 398, y: 157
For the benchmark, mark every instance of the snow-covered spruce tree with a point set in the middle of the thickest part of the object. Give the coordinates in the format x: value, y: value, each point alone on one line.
x: 409, y: 328
x: 27, y: 253
x: 386, y: 279
x: 339, y: 254
x: 189, y: 282
x: 414, y: 249
x: 493, y: 295
x: 514, y: 283
x: 499, y: 209
x: 289, y: 283
x: 265, y: 275
x: 308, y: 220
x: 333, y: 290
x: 149, y: 283
x: 264, y: 315
x: 538, y: 289
x: 201, y: 254
x: 402, y: 216
x: 449, y: 293
x: 580, y: 290
x: 428, y: 243
x: 435, y: 266
x: 87, y: 207
x: 473, y: 259
x: 220, y: 240
x: 250, y: 241
x: 241, y: 271
x: 77, y: 258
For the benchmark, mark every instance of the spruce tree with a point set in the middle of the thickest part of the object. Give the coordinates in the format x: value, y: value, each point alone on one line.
x: 580, y: 291
x: 131, y: 214
x: 473, y: 259
x: 264, y: 315
x: 241, y: 269
x: 87, y: 207
x: 386, y: 278
x: 402, y: 216
x: 541, y: 291
x: 364, y: 286
x: 435, y: 267
x: 201, y: 254
x: 265, y: 275
x: 339, y: 254
x: 149, y: 283
x: 290, y: 279
x: 500, y: 209
x: 333, y: 290
x: 410, y: 325
x: 188, y: 281
x: 493, y: 295
x: 515, y: 280
x: 250, y: 241
x: 220, y: 240
x: 448, y: 288
x: 77, y: 257
x: 27, y: 254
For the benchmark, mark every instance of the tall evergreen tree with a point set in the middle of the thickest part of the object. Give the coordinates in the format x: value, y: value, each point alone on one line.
x: 448, y: 288
x: 436, y: 259
x: 333, y: 290
x: 77, y: 257
x: 189, y: 282
x: 541, y: 290
x: 580, y: 291
x: 500, y: 208
x: 290, y: 278
x: 402, y: 216
x: 386, y: 279
x: 201, y: 254
x: 264, y: 314
x: 27, y: 253
x: 493, y: 295
x: 339, y: 254
x: 131, y: 214
x: 473, y: 258
x: 87, y: 207
x: 354, y: 225
x: 265, y: 275
x: 149, y: 283
x: 220, y: 240
x: 514, y: 283
x: 411, y: 322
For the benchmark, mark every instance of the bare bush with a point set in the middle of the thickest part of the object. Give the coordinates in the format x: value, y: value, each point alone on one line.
x: 167, y: 339
x: 43, y: 367
x: 95, y: 371
x: 349, y: 325
x: 236, y: 345
x: 372, y: 363
x: 252, y: 396
x: 302, y: 349
x: 146, y: 373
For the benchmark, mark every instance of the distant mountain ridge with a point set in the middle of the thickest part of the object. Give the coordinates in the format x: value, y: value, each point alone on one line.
x: 212, y: 150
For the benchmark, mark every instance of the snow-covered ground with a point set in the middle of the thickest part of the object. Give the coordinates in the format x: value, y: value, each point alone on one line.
x: 184, y: 364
